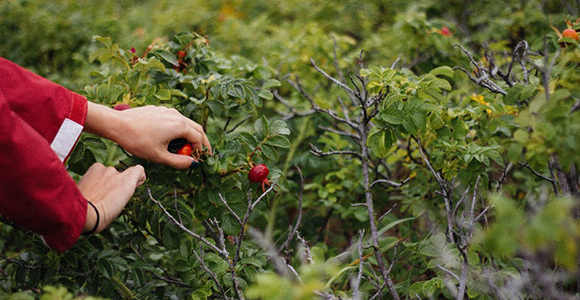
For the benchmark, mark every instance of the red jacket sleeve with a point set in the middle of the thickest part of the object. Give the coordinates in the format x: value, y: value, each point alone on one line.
x: 40, y: 123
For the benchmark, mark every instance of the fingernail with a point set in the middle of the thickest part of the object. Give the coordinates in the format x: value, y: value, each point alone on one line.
x: 194, y: 165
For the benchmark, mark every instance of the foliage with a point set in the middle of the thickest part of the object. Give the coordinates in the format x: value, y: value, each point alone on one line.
x: 435, y: 164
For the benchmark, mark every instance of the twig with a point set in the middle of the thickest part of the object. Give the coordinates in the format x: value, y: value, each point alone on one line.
x: 279, y: 263
x: 340, y: 132
x: 387, y: 213
x: 396, y: 62
x: 230, y: 209
x: 503, y: 177
x: 319, y: 153
x: 391, y: 183
x: 182, y: 227
x: 213, y: 276
x: 356, y: 293
x: 482, y: 78
x: 299, y: 219
x: 448, y: 272
x: 306, y: 248
x: 527, y: 166
x: 238, y: 125
x: 340, y: 84
x: 293, y: 112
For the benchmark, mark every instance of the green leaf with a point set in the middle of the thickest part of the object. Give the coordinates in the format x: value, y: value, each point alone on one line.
x: 166, y: 56
x: 264, y: 94
x: 261, y: 126
x: 380, y: 142
x: 279, y: 127
x: 269, y: 152
x: 98, y: 53
x: 392, y: 116
x: 163, y: 95
x: 278, y: 141
x: 440, y: 84
x: 107, y: 41
x: 443, y: 70
x: 248, y: 138
x: 270, y: 84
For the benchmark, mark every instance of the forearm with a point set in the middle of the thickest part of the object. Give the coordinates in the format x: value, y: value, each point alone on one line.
x: 103, y: 121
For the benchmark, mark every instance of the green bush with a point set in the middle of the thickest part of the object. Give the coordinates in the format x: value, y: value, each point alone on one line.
x: 438, y: 163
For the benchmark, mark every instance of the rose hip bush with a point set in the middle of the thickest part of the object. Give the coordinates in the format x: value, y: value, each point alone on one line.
x: 448, y: 177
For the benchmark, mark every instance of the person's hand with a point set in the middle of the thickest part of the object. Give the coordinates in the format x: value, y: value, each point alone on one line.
x: 109, y: 190
x: 146, y: 131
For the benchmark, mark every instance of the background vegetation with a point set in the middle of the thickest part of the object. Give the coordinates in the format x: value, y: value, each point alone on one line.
x: 440, y: 162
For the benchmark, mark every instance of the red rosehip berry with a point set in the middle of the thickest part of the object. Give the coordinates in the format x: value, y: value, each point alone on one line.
x: 570, y: 33
x: 185, y: 150
x: 259, y: 174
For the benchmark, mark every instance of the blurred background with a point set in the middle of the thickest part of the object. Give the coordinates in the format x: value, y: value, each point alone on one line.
x: 53, y: 38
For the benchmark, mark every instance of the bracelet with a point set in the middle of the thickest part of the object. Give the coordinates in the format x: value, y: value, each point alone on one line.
x: 98, y: 219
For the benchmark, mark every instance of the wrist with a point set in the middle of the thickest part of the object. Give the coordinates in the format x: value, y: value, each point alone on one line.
x: 103, y: 121
x: 93, y: 219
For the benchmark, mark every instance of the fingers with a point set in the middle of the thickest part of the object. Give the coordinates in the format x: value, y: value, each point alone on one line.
x: 177, y: 161
x: 135, y: 175
x: 200, y: 133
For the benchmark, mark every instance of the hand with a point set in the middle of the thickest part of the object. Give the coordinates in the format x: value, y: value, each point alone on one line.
x: 146, y: 131
x: 109, y: 190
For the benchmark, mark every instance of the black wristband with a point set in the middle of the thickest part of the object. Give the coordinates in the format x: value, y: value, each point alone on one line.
x: 96, y: 223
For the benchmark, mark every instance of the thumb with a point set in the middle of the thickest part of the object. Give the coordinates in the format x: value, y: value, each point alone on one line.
x: 179, y: 161
x: 136, y: 175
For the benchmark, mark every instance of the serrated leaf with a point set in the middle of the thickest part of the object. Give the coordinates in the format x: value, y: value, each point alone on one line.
x: 279, y: 141
x: 279, y: 127
x: 269, y: 152
x: 261, y: 126
x: 248, y: 138
x: 392, y: 116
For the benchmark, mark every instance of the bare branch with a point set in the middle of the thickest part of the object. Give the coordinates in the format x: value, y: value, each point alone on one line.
x: 527, y: 166
x: 448, y: 272
x: 387, y: 213
x: 182, y: 227
x: 396, y: 62
x: 230, y: 209
x: 356, y: 293
x: 482, y: 78
x: 503, y: 177
x: 293, y: 112
x: 319, y: 153
x: 306, y: 248
x: 340, y: 132
x: 391, y: 183
x: 340, y: 84
x: 237, y: 125
x: 299, y: 219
